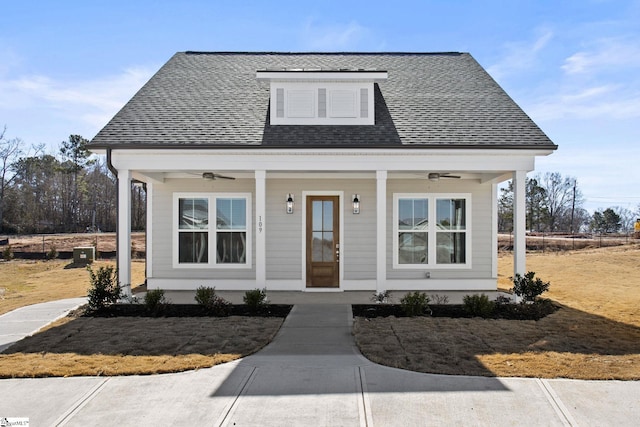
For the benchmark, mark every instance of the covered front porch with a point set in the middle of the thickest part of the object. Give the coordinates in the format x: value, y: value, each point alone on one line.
x: 272, y: 179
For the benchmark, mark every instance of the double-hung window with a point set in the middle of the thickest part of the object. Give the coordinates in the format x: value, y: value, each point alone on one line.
x: 431, y: 230
x: 212, y: 230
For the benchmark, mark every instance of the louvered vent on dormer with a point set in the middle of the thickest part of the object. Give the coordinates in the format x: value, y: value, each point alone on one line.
x: 280, y: 103
x: 322, y: 103
x: 364, y: 103
x: 319, y: 96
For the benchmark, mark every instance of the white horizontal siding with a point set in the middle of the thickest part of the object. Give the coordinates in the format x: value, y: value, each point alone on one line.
x: 285, y: 260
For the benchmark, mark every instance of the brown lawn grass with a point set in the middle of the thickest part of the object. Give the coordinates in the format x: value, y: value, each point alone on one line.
x: 595, y: 335
x: 32, y: 282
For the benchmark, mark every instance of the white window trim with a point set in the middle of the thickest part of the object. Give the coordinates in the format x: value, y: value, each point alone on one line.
x: 431, y: 262
x: 211, y: 197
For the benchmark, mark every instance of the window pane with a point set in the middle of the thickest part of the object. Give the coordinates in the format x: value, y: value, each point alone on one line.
x: 231, y: 214
x: 193, y: 214
x: 412, y: 214
x: 412, y: 248
x: 451, y: 214
x: 223, y: 214
x: 193, y: 247
x: 239, y: 214
x: 451, y: 248
x: 231, y: 248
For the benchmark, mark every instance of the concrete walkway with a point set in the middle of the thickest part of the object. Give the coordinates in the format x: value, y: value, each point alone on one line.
x: 312, y: 374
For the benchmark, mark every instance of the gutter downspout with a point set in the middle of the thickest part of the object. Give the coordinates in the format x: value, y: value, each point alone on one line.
x: 114, y: 171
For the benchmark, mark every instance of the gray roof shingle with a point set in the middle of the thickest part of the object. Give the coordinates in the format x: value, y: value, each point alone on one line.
x: 441, y: 100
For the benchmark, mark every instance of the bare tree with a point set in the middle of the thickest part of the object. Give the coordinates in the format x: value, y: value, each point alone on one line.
x: 562, y: 196
x: 10, y: 151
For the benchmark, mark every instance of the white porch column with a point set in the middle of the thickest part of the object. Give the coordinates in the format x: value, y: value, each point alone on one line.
x: 149, y: 232
x: 381, y: 233
x: 123, y: 251
x: 519, y: 223
x: 261, y: 241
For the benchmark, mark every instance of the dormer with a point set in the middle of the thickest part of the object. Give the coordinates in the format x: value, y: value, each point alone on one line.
x: 321, y: 96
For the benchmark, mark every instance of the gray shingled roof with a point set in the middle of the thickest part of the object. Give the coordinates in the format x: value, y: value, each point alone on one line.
x: 429, y: 100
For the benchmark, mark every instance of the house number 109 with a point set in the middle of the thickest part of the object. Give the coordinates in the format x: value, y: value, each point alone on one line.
x: 260, y: 224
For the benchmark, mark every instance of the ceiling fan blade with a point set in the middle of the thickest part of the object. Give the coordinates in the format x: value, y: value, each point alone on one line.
x: 450, y: 176
x: 222, y: 176
x: 213, y: 176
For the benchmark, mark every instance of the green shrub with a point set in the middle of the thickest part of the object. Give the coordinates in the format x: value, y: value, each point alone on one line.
x: 415, y: 304
x: 7, y: 253
x: 104, y: 288
x: 255, y: 299
x: 478, y: 305
x: 214, y: 304
x: 529, y: 287
x: 205, y: 296
x: 155, y: 301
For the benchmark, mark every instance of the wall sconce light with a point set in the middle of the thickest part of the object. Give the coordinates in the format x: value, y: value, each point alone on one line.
x: 356, y: 203
x: 289, y: 203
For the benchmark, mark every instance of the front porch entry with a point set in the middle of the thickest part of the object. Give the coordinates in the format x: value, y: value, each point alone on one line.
x: 323, y: 241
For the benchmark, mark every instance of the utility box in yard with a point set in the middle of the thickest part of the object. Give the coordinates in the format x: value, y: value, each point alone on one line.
x: 84, y: 255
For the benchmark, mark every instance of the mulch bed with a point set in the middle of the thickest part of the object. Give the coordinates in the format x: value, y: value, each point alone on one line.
x: 535, y: 311
x: 183, y: 310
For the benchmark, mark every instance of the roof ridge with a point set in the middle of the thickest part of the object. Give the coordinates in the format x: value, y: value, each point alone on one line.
x: 195, y: 52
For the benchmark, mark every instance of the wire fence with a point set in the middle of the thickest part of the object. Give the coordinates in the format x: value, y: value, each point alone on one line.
x: 566, y: 241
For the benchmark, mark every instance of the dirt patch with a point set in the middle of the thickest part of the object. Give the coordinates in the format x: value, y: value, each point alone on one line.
x: 42, y: 243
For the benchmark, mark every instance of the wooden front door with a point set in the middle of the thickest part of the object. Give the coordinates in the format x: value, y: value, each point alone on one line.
x: 323, y: 242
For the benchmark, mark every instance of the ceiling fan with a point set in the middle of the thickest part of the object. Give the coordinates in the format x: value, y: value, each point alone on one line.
x: 435, y: 176
x: 211, y: 176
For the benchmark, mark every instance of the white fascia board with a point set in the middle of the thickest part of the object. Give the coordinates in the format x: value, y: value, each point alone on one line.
x: 295, y: 76
x: 356, y: 160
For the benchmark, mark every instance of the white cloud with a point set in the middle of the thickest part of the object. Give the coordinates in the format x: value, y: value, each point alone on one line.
x: 333, y: 37
x: 90, y: 102
x: 601, y: 102
x: 521, y: 55
x: 605, y: 54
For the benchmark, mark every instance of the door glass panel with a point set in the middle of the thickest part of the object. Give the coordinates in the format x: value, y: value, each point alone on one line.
x: 316, y: 245
x: 327, y: 211
x: 327, y: 246
x: 316, y: 221
x: 322, y: 233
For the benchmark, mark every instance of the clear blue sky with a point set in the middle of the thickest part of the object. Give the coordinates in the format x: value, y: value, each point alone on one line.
x: 574, y: 66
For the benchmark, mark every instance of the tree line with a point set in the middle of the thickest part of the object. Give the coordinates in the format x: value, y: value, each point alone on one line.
x: 69, y: 191
x: 74, y: 191
x: 555, y: 203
